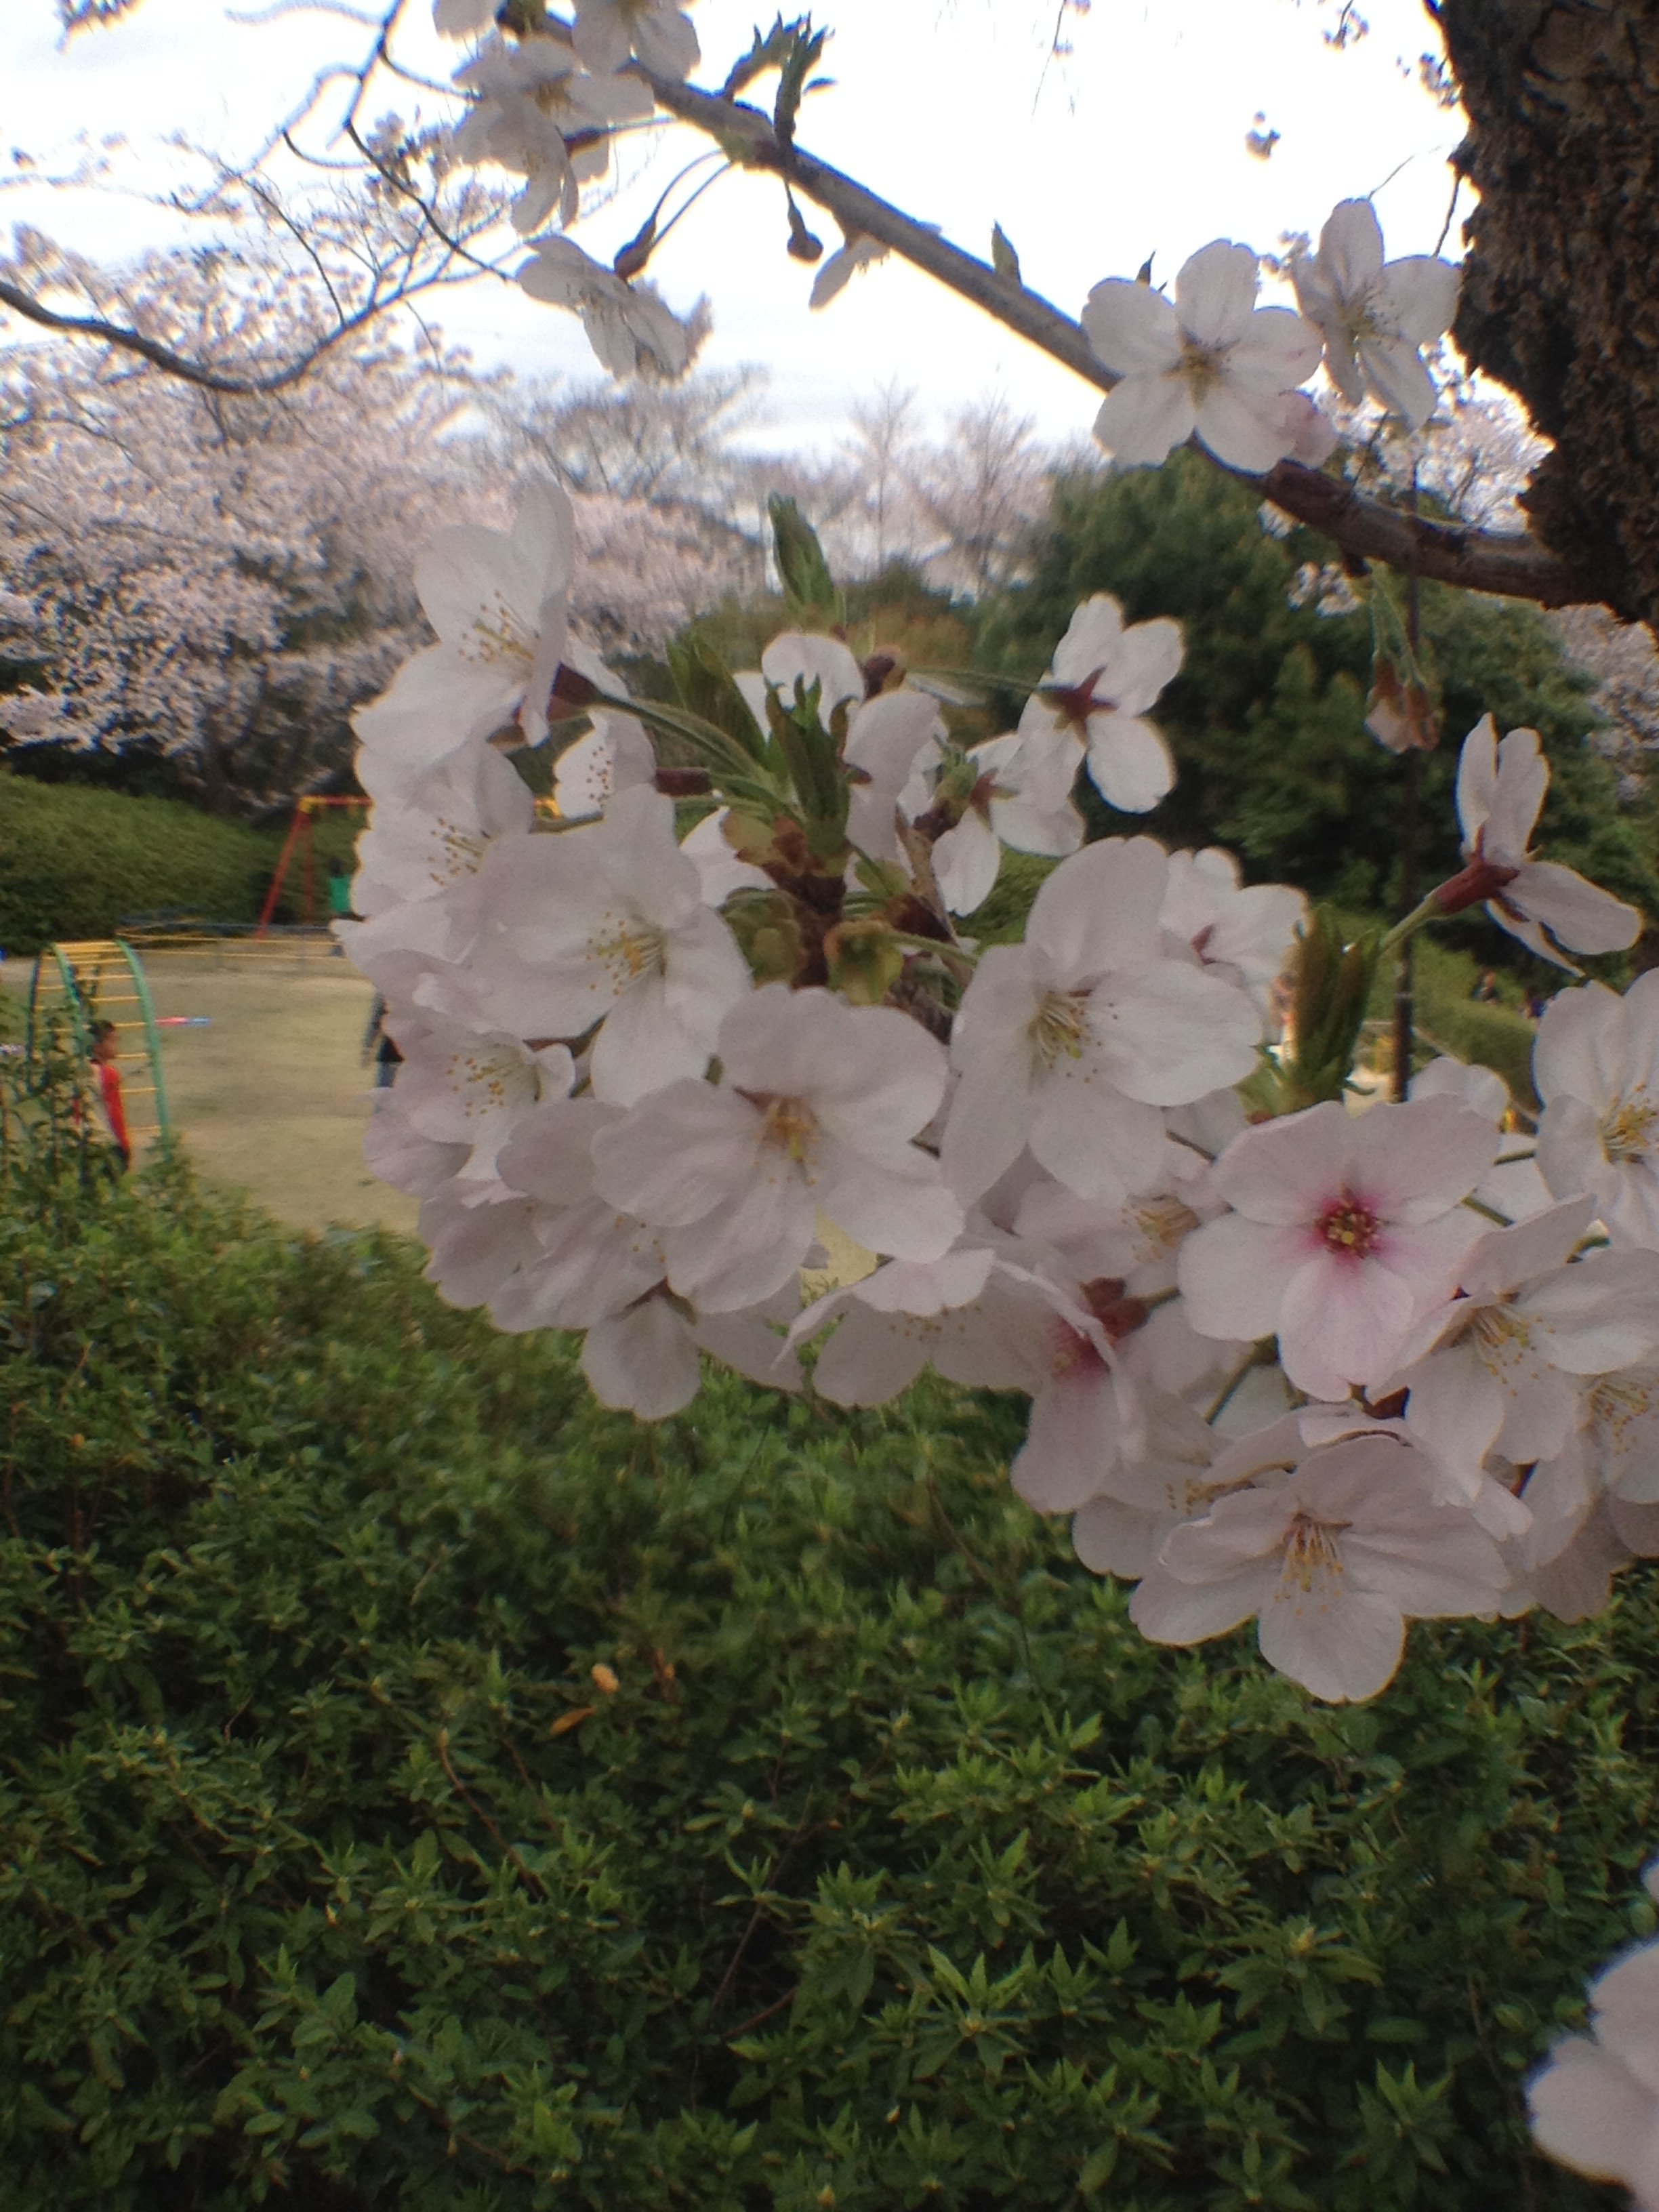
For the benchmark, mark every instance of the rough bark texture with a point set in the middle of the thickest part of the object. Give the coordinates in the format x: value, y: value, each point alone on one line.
x: 1561, y: 292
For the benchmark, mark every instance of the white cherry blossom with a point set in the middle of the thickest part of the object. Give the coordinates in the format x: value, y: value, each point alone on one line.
x: 1209, y: 361
x: 1512, y: 1186
x: 1331, y: 1560
x: 472, y: 1088
x: 815, y: 1111
x: 1073, y: 1040
x: 607, y: 922
x: 1502, y: 1366
x: 1244, y: 933
x: 1595, y: 2104
x: 497, y: 600
x: 966, y: 1315
x: 1102, y: 680
x: 614, y: 755
x: 1596, y: 1065
x: 528, y: 98
x: 608, y: 31
x: 1500, y: 792
x: 1346, y: 1227
x: 857, y: 251
x: 394, y: 1153
x: 644, y: 1359
x: 431, y: 829
x: 1118, y: 1530
x: 1374, y: 315
x: 1086, y: 1411
x: 629, y: 328
x: 797, y: 660
x: 889, y: 739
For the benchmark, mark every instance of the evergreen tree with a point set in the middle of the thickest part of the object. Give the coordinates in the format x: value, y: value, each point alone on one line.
x: 1267, y: 717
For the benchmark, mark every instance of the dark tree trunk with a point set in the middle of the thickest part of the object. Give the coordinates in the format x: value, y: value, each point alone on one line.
x: 1561, y: 290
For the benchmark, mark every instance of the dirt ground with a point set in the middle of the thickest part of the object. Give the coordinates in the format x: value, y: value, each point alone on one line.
x: 271, y: 1096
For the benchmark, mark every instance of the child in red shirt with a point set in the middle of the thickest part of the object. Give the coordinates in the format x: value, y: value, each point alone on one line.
x: 106, y: 1052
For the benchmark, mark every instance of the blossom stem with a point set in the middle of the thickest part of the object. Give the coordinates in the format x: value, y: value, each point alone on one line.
x: 1426, y: 911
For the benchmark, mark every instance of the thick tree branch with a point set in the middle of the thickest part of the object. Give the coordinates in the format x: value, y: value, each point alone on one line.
x: 1509, y: 563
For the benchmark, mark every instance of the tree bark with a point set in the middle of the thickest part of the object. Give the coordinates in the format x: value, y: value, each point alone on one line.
x: 1559, y: 301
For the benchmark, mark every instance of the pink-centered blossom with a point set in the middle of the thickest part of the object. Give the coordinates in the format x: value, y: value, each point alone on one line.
x: 1500, y: 792
x: 1209, y: 361
x: 1346, y: 1227
x: 1091, y: 706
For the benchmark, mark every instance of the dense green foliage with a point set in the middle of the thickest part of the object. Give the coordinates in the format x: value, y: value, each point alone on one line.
x: 1266, y: 718
x: 74, y: 860
x: 886, y: 1867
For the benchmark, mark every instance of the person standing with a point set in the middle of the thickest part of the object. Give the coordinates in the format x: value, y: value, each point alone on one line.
x: 105, y: 1057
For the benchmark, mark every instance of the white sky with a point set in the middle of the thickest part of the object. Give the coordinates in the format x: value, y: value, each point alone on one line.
x: 1134, y: 145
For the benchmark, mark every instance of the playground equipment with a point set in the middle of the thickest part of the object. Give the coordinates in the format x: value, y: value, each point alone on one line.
x: 301, y: 832
x: 302, y: 838
x: 86, y: 981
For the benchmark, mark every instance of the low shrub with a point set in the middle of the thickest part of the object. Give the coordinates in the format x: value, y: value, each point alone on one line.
x: 422, y: 1788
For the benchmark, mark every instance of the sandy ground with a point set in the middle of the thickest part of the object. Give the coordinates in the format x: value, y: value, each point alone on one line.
x: 271, y: 1096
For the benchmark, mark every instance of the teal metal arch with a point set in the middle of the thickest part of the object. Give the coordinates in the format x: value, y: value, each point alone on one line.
x: 73, y: 974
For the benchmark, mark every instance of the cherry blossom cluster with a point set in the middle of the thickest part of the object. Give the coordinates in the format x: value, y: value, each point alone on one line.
x: 1289, y: 1362
x: 544, y: 102
x: 545, y: 96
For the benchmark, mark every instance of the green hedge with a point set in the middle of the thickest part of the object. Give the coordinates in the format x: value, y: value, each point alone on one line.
x: 75, y: 859
x: 894, y: 1870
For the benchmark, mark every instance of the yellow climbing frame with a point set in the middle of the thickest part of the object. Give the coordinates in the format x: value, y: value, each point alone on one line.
x: 101, y: 979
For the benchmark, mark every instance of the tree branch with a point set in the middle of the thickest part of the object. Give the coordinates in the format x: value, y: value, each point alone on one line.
x: 1509, y: 563
x: 177, y: 364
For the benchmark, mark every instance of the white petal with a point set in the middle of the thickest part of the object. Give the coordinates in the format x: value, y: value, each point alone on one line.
x: 1142, y: 420
x: 642, y: 1362
x: 1351, y: 249
x: 1133, y: 328
x: 1420, y: 294
x: 1579, y: 915
x: 1129, y: 762
x: 1337, y: 1641
x: 1215, y: 293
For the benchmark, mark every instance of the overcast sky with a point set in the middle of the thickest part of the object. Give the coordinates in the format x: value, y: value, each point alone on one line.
x: 1132, y: 145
